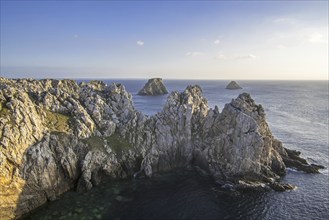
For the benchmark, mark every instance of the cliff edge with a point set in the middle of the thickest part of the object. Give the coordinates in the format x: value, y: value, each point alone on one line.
x: 57, y: 135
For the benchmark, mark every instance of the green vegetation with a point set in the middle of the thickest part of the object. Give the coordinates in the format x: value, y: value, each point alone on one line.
x: 118, y: 144
x: 95, y: 142
x: 57, y: 121
x: 115, y: 142
x: 4, y: 111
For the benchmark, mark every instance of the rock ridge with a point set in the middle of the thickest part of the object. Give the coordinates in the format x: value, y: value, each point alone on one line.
x: 57, y: 135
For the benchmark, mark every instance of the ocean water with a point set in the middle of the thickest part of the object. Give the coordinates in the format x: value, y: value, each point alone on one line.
x: 297, y: 113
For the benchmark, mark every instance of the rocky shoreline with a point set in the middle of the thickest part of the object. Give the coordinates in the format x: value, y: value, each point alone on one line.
x: 58, y: 135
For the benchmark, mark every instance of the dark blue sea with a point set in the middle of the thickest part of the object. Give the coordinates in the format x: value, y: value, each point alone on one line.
x: 297, y: 112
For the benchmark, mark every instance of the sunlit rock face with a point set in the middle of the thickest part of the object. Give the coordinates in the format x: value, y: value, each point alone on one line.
x: 56, y: 135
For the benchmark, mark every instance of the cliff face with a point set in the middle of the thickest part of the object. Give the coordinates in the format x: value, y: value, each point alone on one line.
x: 58, y: 135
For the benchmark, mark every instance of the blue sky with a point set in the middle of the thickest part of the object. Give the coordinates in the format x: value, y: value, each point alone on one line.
x: 168, y: 39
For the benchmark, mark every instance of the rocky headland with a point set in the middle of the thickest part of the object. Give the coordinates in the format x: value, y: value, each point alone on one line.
x: 153, y: 87
x: 233, y: 85
x: 57, y: 135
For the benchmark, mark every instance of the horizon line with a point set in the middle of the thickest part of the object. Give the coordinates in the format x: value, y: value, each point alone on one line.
x: 146, y: 78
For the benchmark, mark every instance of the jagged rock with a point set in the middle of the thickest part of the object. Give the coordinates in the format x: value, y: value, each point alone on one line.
x: 249, y: 185
x: 153, y: 87
x: 233, y: 85
x: 292, y: 159
x: 281, y: 187
x: 56, y: 135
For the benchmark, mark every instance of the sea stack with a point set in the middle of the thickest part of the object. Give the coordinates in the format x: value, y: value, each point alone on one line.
x: 233, y: 85
x: 153, y: 87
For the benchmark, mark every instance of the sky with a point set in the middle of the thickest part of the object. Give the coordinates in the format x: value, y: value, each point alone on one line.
x: 251, y: 40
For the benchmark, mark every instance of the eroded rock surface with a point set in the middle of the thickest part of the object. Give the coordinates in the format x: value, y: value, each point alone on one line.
x: 56, y: 135
x: 153, y: 87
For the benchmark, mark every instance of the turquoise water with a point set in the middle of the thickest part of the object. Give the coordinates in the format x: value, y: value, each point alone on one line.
x: 297, y: 112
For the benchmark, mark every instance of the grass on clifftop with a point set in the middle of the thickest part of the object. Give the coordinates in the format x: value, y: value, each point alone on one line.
x: 57, y: 121
x: 115, y: 142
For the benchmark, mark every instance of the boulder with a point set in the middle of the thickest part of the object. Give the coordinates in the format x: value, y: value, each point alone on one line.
x: 153, y: 87
x: 233, y: 85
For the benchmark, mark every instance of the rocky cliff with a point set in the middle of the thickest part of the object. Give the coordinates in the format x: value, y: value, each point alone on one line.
x: 153, y: 87
x: 56, y: 135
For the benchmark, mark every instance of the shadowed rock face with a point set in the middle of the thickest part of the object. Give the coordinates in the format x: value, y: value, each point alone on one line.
x: 153, y: 87
x: 56, y: 135
x: 233, y: 85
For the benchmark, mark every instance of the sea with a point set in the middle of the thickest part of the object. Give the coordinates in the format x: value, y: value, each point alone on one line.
x: 297, y: 113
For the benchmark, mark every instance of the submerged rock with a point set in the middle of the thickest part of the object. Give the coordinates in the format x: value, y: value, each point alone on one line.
x: 233, y: 85
x: 153, y: 87
x: 56, y: 135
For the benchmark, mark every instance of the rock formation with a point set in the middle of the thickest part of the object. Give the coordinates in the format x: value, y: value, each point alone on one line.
x: 56, y: 135
x: 233, y: 85
x: 153, y: 87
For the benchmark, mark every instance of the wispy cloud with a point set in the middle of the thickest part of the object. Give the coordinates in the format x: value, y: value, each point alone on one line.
x: 299, y: 37
x: 285, y: 20
x: 140, y: 43
x: 217, y: 41
x: 243, y: 57
x: 221, y: 56
x: 75, y: 36
x: 281, y: 47
x: 317, y: 38
x: 195, y: 54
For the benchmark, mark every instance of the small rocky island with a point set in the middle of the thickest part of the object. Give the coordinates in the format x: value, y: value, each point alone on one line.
x: 233, y: 85
x: 153, y: 87
x: 57, y: 135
